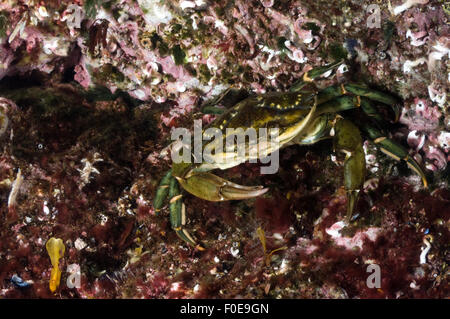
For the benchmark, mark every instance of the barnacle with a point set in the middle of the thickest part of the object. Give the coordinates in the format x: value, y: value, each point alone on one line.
x: 146, y: 42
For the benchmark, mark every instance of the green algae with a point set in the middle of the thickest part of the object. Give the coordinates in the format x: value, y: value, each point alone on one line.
x: 178, y: 55
x: 3, y: 24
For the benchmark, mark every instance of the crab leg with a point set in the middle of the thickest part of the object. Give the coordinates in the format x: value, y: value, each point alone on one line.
x: 395, y: 150
x: 370, y: 110
x: 339, y: 104
x: 162, y: 191
x: 168, y: 187
x: 347, y: 139
x: 362, y: 96
x: 178, y: 214
x: 313, y: 74
x: 330, y: 93
x: 206, y: 186
x: 214, y: 188
x: 363, y: 91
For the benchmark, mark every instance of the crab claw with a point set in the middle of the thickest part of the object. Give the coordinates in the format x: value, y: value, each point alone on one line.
x: 214, y: 188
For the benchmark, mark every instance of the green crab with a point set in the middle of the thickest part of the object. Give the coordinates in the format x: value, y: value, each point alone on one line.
x: 303, y: 116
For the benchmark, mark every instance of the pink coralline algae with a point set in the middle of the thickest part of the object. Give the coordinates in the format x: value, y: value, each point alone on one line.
x: 351, y: 242
x: 423, y: 120
x: 82, y: 75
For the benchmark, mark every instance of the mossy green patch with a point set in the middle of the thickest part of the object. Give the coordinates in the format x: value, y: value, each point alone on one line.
x: 337, y: 51
x: 205, y: 74
x: 389, y: 31
x: 178, y: 55
x: 313, y: 27
x: 107, y: 73
x: 3, y: 24
x: 281, y: 44
x: 91, y: 8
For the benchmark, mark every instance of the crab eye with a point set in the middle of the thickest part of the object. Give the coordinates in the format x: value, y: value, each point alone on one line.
x: 40, y: 146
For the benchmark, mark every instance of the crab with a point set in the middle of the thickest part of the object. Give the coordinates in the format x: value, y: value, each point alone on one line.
x: 304, y: 115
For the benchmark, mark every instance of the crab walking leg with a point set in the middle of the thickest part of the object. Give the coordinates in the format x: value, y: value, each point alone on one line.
x: 395, y: 150
x: 347, y: 139
x: 313, y: 74
x: 210, y: 109
x: 331, y: 93
x: 162, y: 191
x: 363, y: 94
x: 178, y: 213
x: 370, y: 110
x: 339, y: 104
x: 363, y: 91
